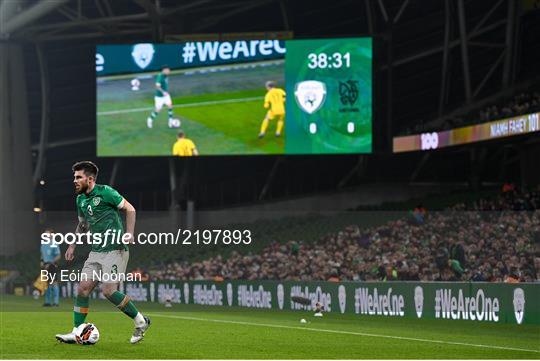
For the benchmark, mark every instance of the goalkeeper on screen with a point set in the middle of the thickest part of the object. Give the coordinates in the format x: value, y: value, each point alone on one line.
x: 274, y: 101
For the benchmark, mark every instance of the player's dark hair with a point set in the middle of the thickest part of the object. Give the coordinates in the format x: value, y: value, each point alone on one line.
x: 165, y: 66
x: 180, y: 134
x: 88, y: 167
x: 270, y: 84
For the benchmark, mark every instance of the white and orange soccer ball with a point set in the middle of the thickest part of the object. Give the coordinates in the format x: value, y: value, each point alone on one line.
x: 87, y: 334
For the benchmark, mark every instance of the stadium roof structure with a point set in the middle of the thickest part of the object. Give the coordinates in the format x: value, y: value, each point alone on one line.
x: 432, y: 59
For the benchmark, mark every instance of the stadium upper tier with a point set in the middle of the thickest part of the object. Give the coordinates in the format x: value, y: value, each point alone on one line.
x: 519, y: 103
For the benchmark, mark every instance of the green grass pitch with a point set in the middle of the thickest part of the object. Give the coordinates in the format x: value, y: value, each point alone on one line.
x: 192, y: 332
x: 221, y: 112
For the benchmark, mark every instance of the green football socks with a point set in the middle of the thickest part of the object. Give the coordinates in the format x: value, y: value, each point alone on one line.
x: 80, y: 310
x: 123, y: 303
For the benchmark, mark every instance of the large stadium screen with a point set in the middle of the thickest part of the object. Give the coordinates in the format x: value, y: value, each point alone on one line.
x: 241, y: 97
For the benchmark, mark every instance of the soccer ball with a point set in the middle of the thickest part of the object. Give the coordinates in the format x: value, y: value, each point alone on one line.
x: 87, y: 334
x: 135, y: 84
x: 174, y: 123
x: 36, y: 294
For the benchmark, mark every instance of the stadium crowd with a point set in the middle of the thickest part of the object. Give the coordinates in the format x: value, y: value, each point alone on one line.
x: 491, y: 240
x: 522, y: 103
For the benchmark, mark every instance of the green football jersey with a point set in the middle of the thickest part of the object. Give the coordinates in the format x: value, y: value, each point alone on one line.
x: 162, y: 80
x: 100, y: 209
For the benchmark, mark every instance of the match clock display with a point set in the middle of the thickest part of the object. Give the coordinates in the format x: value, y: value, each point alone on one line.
x: 329, y: 97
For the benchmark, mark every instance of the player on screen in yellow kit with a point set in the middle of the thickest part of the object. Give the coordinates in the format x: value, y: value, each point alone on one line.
x: 184, y: 147
x: 274, y: 101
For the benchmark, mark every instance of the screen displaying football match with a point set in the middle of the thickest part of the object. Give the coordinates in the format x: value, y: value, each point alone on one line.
x: 242, y: 97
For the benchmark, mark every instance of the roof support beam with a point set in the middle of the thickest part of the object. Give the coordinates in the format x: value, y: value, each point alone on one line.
x: 446, y: 53
x: 401, y: 10
x: 63, y: 143
x: 7, y: 11
x: 32, y: 14
x: 215, y: 20
x: 88, y: 22
x: 383, y: 10
x: 488, y: 75
x: 452, y: 44
x: 464, y: 50
x: 509, y: 42
x: 155, y: 18
x: 45, y: 120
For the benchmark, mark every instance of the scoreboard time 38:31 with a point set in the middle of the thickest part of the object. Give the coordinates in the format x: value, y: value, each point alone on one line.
x: 329, y: 96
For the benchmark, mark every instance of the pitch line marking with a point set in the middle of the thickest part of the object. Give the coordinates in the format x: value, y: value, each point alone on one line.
x: 187, y: 105
x: 346, y: 333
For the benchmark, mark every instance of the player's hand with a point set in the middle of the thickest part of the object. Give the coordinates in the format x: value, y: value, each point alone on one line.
x: 70, y: 253
x: 129, y: 238
x: 165, y: 93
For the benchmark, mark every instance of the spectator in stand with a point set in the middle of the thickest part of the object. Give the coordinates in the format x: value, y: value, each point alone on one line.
x: 523, y: 103
x: 419, y: 214
x: 508, y: 187
x: 50, y: 258
x: 513, y: 276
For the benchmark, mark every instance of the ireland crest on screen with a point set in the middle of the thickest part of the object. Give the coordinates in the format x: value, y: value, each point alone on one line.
x: 142, y: 54
x: 310, y: 95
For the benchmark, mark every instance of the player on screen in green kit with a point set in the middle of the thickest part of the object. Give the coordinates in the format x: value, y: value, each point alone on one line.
x: 162, y: 97
x: 98, y: 209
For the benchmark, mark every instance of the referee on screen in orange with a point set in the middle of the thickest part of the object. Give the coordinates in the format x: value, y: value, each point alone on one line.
x: 184, y: 147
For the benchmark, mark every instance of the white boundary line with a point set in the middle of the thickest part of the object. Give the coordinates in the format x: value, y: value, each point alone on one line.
x: 187, y: 105
x: 346, y: 333
x: 183, y: 71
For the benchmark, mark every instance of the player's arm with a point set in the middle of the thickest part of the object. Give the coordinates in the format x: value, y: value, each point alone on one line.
x: 158, y: 87
x: 267, y: 101
x: 130, y: 217
x: 194, y: 150
x: 82, y: 227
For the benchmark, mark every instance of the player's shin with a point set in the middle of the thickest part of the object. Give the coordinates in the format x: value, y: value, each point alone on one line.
x: 56, y: 294
x: 80, y: 310
x: 279, y: 127
x: 48, y: 295
x: 125, y: 305
x: 264, y: 126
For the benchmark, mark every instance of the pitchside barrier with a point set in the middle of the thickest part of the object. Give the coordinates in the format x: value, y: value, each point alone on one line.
x: 479, y: 302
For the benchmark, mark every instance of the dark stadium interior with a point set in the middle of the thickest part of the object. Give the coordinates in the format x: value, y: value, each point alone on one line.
x: 442, y: 204
x: 419, y: 85
x: 407, y: 94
